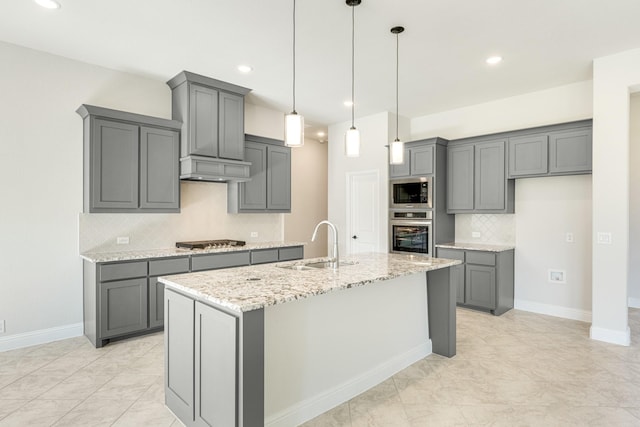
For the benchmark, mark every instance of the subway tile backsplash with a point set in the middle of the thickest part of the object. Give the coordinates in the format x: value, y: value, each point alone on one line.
x: 203, y: 216
x: 492, y: 228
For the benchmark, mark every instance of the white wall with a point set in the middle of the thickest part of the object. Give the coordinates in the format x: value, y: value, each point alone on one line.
x: 41, y: 189
x: 545, y: 208
x: 614, y: 78
x: 374, y: 136
x: 634, y: 203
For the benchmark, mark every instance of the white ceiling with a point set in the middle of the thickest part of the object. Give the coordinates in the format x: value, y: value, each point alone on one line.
x: 544, y: 43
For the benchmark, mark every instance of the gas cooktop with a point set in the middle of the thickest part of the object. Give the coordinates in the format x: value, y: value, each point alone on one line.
x: 208, y: 244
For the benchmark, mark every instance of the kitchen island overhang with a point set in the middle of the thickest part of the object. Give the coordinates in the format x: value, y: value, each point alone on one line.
x: 253, y: 356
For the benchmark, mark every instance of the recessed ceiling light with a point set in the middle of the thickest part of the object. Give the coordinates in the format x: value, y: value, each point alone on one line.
x: 48, y: 4
x: 493, y: 60
x: 320, y: 133
x: 245, y: 69
x: 348, y: 103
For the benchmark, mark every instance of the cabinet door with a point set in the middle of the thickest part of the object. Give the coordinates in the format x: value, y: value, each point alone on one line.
x: 156, y: 303
x: 114, y: 165
x: 231, y: 126
x: 460, y: 178
x: 253, y: 194
x: 215, y: 367
x: 159, y: 169
x: 279, y: 178
x: 123, y: 307
x: 570, y: 151
x: 528, y: 155
x: 422, y: 161
x: 203, y: 121
x: 399, y: 171
x: 480, y: 287
x: 490, y: 176
x: 179, y: 355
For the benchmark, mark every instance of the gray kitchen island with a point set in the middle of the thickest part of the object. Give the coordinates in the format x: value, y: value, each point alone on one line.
x: 278, y: 344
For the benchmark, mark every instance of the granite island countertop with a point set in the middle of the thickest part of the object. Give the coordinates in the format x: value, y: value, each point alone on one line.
x: 250, y: 288
x: 172, y: 252
x: 476, y: 246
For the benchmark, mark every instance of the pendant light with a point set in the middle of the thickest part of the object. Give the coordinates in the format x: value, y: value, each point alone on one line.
x: 396, y: 147
x: 352, y: 137
x: 294, y: 122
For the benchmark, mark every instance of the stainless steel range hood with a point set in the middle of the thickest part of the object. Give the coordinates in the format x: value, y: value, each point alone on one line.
x: 211, y: 169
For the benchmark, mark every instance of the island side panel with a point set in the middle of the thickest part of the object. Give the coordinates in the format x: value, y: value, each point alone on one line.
x: 441, y: 298
x: 179, y: 355
x: 251, y: 374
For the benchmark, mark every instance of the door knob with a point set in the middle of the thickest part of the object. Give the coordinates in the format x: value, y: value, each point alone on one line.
x: 354, y: 237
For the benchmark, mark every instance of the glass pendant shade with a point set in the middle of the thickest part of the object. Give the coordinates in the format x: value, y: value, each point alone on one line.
x: 352, y: 143
x: 396, y: 152
x: 293, y: 130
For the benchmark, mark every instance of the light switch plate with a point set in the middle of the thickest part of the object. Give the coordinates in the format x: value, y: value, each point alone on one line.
x: 557, y: 276
x: 569, y: 238
x: 254, y: 234
x: 604, y: 238
x: 475, y: 234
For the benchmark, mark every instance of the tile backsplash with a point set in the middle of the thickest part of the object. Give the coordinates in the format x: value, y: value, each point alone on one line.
x: 492, y: 228
x: 203, y: 216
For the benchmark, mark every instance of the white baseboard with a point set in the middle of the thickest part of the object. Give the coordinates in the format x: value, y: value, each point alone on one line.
x: 610, y: 335
x: 311, y: 408
x: 633, y: 302
x: 553, y: 310
x: 41, y: 336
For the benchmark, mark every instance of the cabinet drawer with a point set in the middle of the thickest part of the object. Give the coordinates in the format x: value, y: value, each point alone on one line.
x: 482, y: 258
x: 159, y: 267
x: 215, y: 261
x: 451, y: 254
x: 264, y: 256
x: 122, y: 270
x: 287, y: 254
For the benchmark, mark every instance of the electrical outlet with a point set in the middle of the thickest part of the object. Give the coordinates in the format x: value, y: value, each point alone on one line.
x: 569, y: 238
x: 124, y: 240
x: 475, y: 234
x: 254, y: 234
x: 557, y: 276
x: 604, y: 238
x: 2, y: 329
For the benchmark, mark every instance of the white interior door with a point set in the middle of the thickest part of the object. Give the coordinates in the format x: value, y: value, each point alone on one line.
x: 363, y: 212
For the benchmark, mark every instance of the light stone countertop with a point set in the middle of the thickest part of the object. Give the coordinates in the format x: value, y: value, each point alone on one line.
x: 476, y: 247
x: 251, y: 288
x: 172, y: 252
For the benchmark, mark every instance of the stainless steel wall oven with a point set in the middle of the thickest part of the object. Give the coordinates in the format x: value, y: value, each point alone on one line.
x: 410, y: 232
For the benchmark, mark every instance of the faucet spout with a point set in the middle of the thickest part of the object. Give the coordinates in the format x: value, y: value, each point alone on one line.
x: 334, y: 256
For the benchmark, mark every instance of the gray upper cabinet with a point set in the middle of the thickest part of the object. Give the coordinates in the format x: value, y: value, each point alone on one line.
x: 418, y: 159
x: 460, y: 177
x: 570, y: 151
x: 564, y: 149
x: 490, y: 177
x: 477, y: 178
x: 528, y: 155
x: 130, y: 162
x: 270, y: 187
x: 212, y: 113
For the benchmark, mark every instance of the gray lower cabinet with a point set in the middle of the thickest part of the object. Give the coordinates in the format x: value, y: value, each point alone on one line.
x: 485, y: 280
x: 269, y: 190
x: 477, y: 179
x: 123, y: 307
x: 220, y: 260
x: 130, y: 162
x: 162, y: 267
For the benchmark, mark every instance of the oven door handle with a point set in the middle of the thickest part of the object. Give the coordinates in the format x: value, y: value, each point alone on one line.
x: 403, y: 222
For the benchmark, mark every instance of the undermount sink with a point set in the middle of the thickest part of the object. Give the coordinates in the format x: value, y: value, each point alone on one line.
x: 316, y: 265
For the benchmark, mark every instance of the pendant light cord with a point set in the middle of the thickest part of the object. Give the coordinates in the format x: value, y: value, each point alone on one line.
x: 294, y: 56
x: 353, y: 38
x: 397, y: 78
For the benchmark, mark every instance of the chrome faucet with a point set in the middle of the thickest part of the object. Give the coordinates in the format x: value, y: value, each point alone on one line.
x: 334, y: 258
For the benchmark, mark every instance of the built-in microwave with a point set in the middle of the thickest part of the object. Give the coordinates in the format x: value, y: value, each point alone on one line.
x: 410, y: 193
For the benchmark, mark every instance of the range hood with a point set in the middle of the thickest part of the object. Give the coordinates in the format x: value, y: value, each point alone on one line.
x: 212, y: 169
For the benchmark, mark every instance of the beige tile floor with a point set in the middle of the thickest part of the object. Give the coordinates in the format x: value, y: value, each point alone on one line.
x: 517, y: 369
